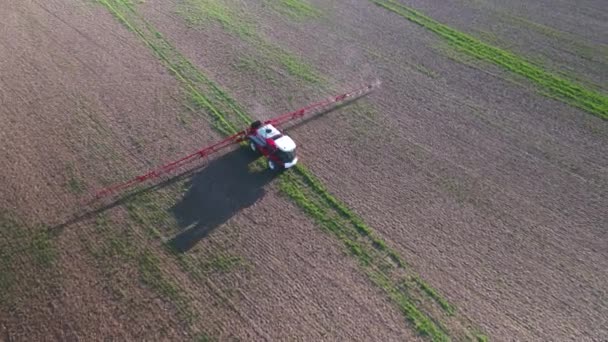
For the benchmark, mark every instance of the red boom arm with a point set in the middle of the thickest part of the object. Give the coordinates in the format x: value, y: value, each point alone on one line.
x: 234, y: 139
x: 281, y: 119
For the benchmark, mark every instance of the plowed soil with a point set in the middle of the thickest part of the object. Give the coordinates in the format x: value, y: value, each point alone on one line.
x: 493, y: 193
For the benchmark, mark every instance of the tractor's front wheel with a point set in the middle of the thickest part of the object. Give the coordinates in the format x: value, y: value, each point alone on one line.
x: 271, y: 165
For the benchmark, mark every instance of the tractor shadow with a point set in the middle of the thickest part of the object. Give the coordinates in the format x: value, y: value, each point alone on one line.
x: 216, y: 191
x: 215, y: 194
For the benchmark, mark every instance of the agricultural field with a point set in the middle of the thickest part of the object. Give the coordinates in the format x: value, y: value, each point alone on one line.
x: 462, y: 200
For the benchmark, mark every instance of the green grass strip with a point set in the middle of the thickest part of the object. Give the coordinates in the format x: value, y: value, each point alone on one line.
x: 341, y: 208
x: 28, y: 260
x: 481, y: 338
x: 552, y: 85
x: 431, y: 292
x: 298, y: 9
x: 199, y: 12
x: 218, y: 104
x: 422, y: 323
x: 368, y: 261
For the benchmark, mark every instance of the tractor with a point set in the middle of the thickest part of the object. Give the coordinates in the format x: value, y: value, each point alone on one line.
x: 278, y: 148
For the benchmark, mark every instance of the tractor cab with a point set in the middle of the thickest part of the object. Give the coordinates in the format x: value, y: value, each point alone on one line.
x: 279, y: 148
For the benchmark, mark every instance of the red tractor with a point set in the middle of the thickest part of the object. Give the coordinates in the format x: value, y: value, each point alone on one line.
x: 278, y: 148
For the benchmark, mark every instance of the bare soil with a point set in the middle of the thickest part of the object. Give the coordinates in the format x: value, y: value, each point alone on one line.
x: 493, y: 193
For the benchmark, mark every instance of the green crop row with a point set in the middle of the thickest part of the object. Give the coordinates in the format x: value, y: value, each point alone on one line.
x: 319, y: 205
x: 200, y: 12
x: 552, y: 85
x: 27, y: 260
x: 296, y: 9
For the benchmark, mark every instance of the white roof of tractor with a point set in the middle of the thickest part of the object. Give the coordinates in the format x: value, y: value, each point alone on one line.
x: 268, y: 131
x: 284, y: 143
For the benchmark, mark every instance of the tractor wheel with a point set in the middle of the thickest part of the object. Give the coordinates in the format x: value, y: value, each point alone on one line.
x: 271, y: 165
x: 252, y: 146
